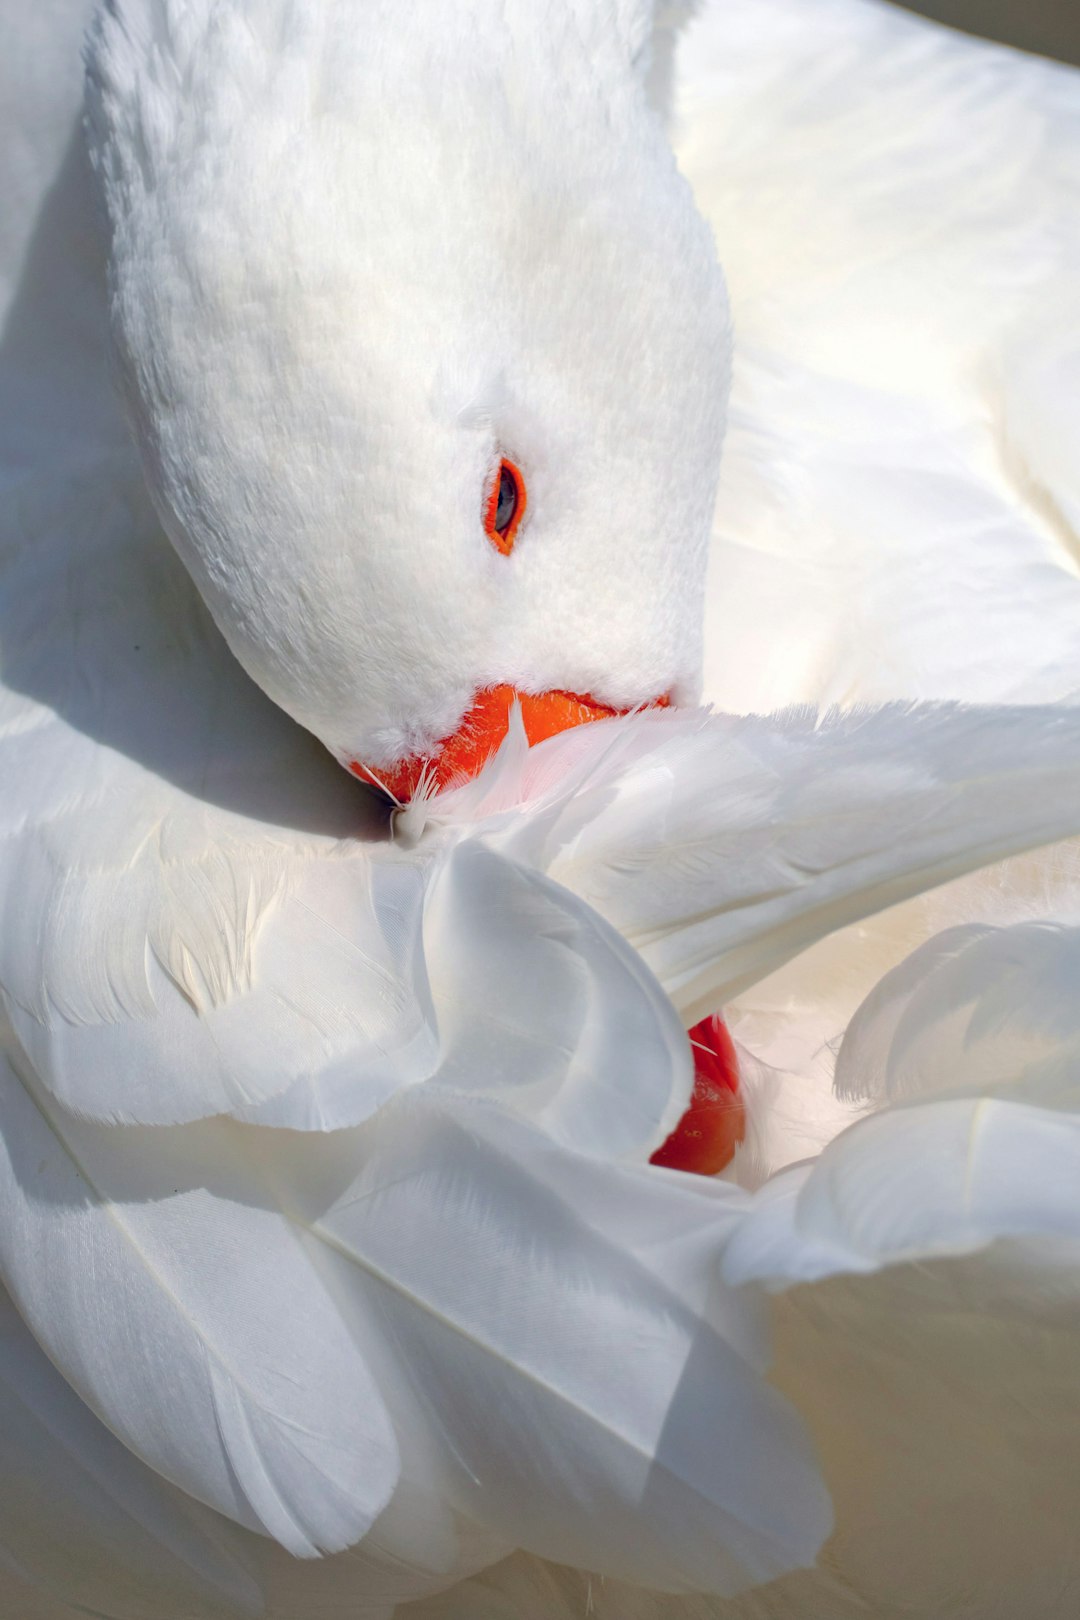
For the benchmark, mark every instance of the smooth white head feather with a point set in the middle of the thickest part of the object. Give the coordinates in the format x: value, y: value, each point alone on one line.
x: 356, y: 258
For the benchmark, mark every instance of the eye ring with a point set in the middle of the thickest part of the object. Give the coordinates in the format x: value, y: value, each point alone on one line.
x: 505, y: 508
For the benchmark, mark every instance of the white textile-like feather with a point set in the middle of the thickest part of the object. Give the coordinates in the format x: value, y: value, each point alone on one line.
x: 975, y: 1009
x: 722, y: 846
x: 85, y: 1526
x: 75, y: 1505
x: 717, y: 847
x: 926, y: 1319
x: 897, y: 209
x: 943, y: 1399
x: 947, y: 1178
x: 576, y: 1032
x: 506, y: 1274
x: 277, y: 1296
x: 232, y: 1376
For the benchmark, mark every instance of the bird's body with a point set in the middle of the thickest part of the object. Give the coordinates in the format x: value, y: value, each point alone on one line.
x: 202, y: 918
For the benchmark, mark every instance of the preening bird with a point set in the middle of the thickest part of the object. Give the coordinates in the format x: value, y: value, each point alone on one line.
x: 335, y: 1268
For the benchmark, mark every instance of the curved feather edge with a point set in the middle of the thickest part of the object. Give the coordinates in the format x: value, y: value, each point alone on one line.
x: 976, y: 1008
x: 82, y: 1519
x: 932, y: 1180
x: 502, y: 1270
x: 89, y: 1528
x: 720, y: 846
x: 532, y: 996
x: 233, y: 1377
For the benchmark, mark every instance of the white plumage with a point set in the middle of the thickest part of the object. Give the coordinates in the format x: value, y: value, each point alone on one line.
x: 255, y: 163
x: 896, y: 212
x: 324, y: 1207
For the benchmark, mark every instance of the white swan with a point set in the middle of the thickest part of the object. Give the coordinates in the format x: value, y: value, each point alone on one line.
x: 187, y: 925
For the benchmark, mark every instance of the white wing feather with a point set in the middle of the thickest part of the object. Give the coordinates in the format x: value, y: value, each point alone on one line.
x: 975, y: 1009
x: 443, y: 1260
x: 897, y: 210
x: 531, y: 995
x: 573, y: 1027
x: 82, y: 1519
x: 927, y: 1325
x: 507, y: 1275
x: 943, y: 1399
x: 720, y: 847
x: 165, y: 1284
x: 946, y: 1178
x: 85, y: 1526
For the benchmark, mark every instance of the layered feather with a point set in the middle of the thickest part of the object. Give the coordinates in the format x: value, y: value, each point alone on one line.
x: 975, y: 1009
x: 509, y: 1275
x: 85, y: 1522
x: 720, y: 847
x: 926, y: 1321
x: 896, y: 210
x: 897, y: 520
x: 86, y: 1527
x: 184, y: 1309
x: 274, y: 1297
x: 942, y: 1395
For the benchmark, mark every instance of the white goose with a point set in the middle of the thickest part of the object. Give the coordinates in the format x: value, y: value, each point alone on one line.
x: 403, y: 1316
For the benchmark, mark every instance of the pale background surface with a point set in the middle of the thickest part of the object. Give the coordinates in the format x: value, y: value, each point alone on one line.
x: 1049, y: 26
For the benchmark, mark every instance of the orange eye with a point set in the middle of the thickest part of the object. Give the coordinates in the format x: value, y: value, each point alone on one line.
x: 505, y: 508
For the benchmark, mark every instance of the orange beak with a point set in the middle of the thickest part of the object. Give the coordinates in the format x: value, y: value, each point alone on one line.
x: 464, y: 754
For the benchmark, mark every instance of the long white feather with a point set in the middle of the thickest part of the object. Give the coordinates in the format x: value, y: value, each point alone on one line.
x: 528, y: 993
x: 720, y: 847
x: 508, y: 1275
x: 81, y: 1518
x: 927, y: 1324
x: 896, y: 209
x: 975, y: 1009
x: 576, y: 1024
x: 184, y: 1310
x: 943, y: 1398
x: 86, y: 1527
x: 944, y: 1178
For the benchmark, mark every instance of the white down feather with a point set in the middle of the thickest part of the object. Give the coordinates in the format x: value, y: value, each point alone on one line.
x: 255, y: 162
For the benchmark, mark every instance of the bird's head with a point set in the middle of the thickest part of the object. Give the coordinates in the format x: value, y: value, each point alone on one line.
x: 426, y: 350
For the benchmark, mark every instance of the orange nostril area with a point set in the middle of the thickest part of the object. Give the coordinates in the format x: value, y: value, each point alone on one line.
x: 464, y: 754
